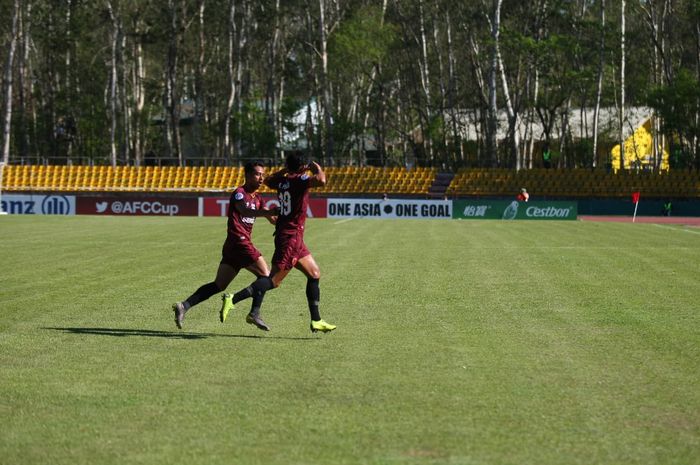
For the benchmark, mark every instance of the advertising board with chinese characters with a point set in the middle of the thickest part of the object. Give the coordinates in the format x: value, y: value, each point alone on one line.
x: 514, y: 210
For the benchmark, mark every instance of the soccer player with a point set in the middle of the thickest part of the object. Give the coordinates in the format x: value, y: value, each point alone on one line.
x: 292, y: 184
x: 238, y: 250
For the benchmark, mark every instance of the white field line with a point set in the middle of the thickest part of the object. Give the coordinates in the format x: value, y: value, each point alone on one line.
x: 676, y: 229
x: 344, y: 221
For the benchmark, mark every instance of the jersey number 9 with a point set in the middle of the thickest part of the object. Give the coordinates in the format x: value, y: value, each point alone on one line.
x: 285, y: 199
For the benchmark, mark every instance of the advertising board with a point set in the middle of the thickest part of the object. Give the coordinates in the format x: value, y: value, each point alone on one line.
x: 218, y: 206
x: 24, y: 204
x: 514, y: 210
x: 391, y: 208
x: 137, y: 205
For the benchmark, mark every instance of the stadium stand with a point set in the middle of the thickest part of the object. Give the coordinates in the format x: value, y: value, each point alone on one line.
x: 341, y: 180
x: 576, y: 183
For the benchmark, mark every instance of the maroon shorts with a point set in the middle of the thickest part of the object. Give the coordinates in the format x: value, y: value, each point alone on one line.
x: 289, y: 248
x: 239, y: 255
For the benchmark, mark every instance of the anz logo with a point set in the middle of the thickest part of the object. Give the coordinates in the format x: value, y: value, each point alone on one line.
x: 37, y: 205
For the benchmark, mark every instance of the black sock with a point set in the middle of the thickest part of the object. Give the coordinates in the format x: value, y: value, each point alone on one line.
x: 201, y: 294
x: 313, y: 295
x: 257, y: 303
x: 258, y: 297
x: 261, y: 285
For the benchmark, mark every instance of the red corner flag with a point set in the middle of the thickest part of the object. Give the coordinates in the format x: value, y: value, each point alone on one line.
x: 635, y: 200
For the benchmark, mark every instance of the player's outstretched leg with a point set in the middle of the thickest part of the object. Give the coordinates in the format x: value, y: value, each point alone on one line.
x: 313, y: 295
x: 262, y: 284
x: 200, y: 295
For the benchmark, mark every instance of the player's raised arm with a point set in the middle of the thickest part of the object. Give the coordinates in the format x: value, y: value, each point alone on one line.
x: 319, y: 177
x: 275, y: 178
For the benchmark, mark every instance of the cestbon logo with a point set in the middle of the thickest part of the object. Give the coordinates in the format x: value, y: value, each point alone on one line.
x: 511, y: 211
x: 55, y: 205
x: 548, y: 212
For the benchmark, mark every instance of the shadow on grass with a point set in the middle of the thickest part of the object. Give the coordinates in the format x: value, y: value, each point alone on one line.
x: 120, y: 332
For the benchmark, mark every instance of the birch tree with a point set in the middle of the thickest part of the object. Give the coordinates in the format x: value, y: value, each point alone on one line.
x: 492, y: 125
x: 325, y: 85
x: 114, y: 40
x: 232, y: 49
x: 24, y: 140
x: 599, y: 85
x: 7, y: 83
x: 622, y: 85
x: 170, y: 96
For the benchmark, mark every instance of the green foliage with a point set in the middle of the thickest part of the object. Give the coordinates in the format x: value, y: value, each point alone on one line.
x: 677, y: 105
x: 256, y: 132
x: 376, y: 68
x: 581, y: 152
x: 361, y: 43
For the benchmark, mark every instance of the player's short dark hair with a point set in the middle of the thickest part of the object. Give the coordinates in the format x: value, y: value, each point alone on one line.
x: 295, y: 162
x: 250, y: 166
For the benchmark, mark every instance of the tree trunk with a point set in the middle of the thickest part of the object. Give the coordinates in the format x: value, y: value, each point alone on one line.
x: 325, y: 85
x: 451, y: 91
x: 7, y: 117
x: 69, y: 91
x: 200, y: 110
x: 113, y: 39
x: 443, y: 158
x: 231, y: 77
x: 242, y: 74
x: 661, y: 66
x: 24, y: 140
x: 696, y: 139
x: 128, y: 137
x: 271, y: 104
x: 172, y: 107
x: 492, y: 122
x: 69, y: 49
x: 564, y: 135
x: 599, y: 89
x: 139, y: 98
x: 425, y: 81
x: 513, y: 116
x: 532, y: 118
x: 27, y: 106
x: 622, y: 85
x: 368, y: 94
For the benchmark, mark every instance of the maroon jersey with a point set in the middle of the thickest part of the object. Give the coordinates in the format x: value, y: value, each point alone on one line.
x: 293, y: 195
x: 240, y: 227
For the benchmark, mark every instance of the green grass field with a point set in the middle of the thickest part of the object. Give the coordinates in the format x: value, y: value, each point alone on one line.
x: 458, y: 342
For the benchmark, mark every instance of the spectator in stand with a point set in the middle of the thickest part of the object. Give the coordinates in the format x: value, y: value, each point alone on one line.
x: 668, y: 207
x: 523, y: 196
x: 546, y: 156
